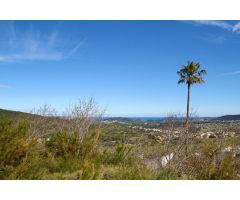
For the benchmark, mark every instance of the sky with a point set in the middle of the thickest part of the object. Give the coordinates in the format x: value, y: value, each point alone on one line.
x: 128, y: 67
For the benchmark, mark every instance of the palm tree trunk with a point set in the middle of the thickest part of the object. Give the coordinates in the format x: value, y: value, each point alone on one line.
x: 187, y: 121
x: 188, y: 103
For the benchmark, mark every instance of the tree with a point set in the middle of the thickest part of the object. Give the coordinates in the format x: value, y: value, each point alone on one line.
x: 191, y: 74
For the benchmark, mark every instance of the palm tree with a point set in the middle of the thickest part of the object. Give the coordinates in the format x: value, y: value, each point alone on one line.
x: 191, y: 74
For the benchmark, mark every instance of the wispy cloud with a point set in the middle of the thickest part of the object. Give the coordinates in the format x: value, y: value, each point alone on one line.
x: 76, y: 47
x: 234, y: 28
x: 4, y: 86
x: 231, y: 73
x: 31, y: 45
x: 217, y: 39
x: 220, y: 24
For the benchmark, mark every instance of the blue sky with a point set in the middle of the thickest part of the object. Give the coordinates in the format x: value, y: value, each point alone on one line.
x: 128, y: 67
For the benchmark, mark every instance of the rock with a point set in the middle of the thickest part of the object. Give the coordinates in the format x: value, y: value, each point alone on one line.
x: 176, y: 137
x: 227, y: 149
x: 166, y: 159
x: 212, y: 136
x: 39, y: 140
x: 159, y: 139
x: 208, y: 135
x: 203, y: 135
x: 235, y: 151
x: 176, y: 132
x: 231, y: 134
x: 152, y: 164
x: 197, y: 154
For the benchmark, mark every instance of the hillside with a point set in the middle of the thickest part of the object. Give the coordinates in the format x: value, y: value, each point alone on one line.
x: 228, y: 117
x: 12, y: 114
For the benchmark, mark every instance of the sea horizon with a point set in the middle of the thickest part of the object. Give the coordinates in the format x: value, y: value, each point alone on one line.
x: 153, y: 118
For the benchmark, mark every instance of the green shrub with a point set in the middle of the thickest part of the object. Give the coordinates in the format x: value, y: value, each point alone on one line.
x: 134, y: 171
x: 72, y: 156
x: 72, y: 145
x: 24, y: 157
x: 210, y: 163
x: 15, y: 146
x: 227, y: 169
x: 167, y: 174
x: 119, y: 155
x: 64, y: 145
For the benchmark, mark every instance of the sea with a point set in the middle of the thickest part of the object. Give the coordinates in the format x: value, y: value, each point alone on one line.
x: 153, y: 118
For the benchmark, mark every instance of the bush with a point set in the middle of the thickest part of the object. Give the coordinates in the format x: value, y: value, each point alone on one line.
x: 210, y: 163
x: 15, y: 146
x: 119, y: 155
x: 167, y: 174
x: 24, y: 157
x: 68, y: 155
x: 72, y: 145
x: 135, y: 171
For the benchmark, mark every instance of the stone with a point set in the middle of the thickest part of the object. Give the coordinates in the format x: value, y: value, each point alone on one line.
x: 166, y: 159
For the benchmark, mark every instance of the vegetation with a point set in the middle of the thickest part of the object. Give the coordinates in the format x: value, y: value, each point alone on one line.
x: 12, y: 114
x: 69, y: 148
x: 191, y: 74
x: 133, y: 153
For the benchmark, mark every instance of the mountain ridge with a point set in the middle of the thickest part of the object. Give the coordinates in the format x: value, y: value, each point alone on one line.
x: 228, y: 117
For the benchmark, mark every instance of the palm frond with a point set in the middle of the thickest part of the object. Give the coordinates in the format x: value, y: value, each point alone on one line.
x: 181, y: 81
x: 191, y: 73
x: 202, y: 72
